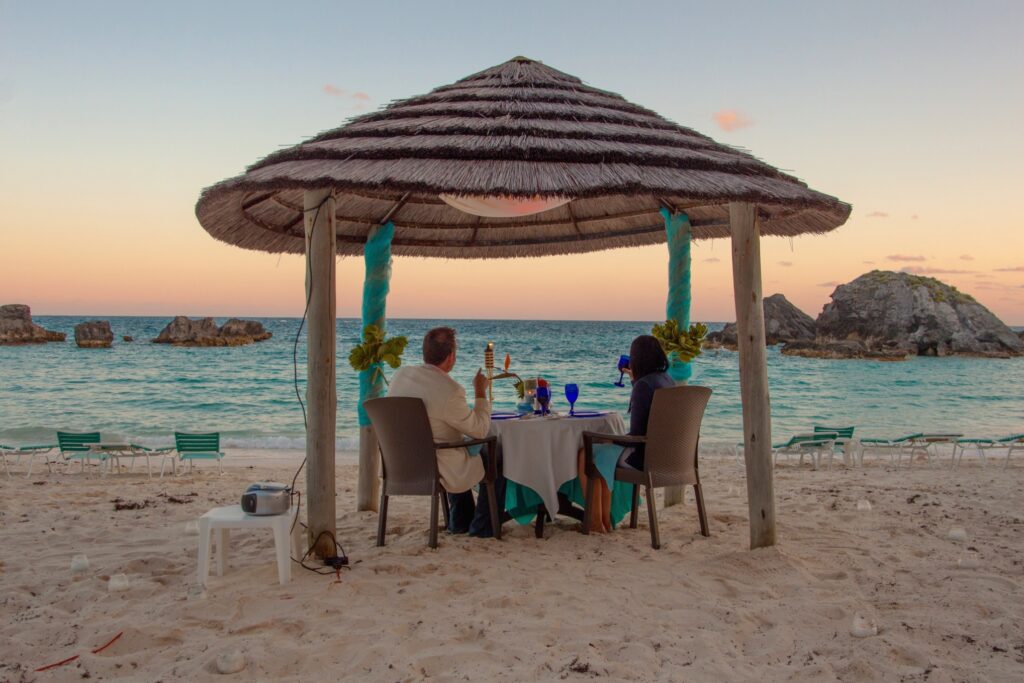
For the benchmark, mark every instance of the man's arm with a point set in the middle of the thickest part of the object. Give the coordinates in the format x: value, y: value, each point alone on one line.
x: 473, y: 422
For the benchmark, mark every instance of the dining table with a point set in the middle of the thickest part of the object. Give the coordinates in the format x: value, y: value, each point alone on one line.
x: 539, y: 460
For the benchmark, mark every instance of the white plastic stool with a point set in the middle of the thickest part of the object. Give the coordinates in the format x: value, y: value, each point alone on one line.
x: 232, y: 517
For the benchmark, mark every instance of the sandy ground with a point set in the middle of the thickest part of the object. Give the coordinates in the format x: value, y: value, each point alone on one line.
x: 565, y: 607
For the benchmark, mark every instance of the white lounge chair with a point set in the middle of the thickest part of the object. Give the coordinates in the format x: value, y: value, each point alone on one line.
x: 1010, y: 443
x: 31, y: 451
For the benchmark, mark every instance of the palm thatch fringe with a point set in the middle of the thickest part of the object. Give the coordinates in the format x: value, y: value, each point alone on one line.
x: 519, y: 129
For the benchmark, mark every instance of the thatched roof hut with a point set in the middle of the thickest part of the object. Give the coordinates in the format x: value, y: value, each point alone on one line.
x: 519, y: 129
x: 463, y: 172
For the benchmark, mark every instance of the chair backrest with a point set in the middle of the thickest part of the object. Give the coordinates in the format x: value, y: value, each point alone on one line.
x: 840, y: 432
x: 185, y: 442
x: 76, y: 442
x: 406, y: 445
x: 673, y: 431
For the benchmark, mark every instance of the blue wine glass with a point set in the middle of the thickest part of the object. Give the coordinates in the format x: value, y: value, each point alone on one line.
x: 572, y: 392
x: 623, y: 364
x: 543, y: 398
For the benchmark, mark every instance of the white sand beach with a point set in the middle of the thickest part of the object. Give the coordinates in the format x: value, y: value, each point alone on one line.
x: 566, y: 607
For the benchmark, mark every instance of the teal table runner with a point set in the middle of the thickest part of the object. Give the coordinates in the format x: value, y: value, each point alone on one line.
x: 521, y: 501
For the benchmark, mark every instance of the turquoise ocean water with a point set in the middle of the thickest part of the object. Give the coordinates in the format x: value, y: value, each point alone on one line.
x: 145, y: 391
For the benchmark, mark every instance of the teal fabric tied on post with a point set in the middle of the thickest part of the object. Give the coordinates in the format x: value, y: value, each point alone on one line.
x: 677, y: 306
x: 376, y: 285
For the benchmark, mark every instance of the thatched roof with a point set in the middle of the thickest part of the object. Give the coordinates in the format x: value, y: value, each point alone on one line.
x: 519, y: 129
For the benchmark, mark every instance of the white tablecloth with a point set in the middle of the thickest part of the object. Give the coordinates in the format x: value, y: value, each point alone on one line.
x: 541, y: 452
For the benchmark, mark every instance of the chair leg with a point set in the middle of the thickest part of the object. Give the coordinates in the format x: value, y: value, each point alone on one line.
x: 433, y: 520
x: 382, y: 519
x: 492, y: 503
x: 702, y: 514
x: 446, y: 508
x: 633, y: 513
x: 538, y: 529
x: 652, y: 517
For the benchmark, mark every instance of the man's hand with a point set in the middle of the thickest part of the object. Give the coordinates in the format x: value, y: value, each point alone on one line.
x: 480, y: 384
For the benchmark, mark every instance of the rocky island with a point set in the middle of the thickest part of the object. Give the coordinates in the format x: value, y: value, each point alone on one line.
x: 183, y: 331
x: 94, y: 334
x: 16, y: 327
x: 885, y: 315
x: 783, y: 322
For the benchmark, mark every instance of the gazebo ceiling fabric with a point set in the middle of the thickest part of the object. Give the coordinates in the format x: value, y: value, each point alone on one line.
x: 519, y: 129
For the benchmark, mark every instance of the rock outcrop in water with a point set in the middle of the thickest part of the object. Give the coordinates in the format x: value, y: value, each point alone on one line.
x: 16, y: 327
x: 783, y: 322
x: 94, y: 334
x: 890, y: 315
x: 204, y: 332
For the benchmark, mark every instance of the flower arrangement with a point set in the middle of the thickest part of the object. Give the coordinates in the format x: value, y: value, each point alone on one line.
x: 375, y: 351
x: 685, y: 344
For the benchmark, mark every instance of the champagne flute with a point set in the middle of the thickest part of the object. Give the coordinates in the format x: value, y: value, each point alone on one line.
x: 572, y: 392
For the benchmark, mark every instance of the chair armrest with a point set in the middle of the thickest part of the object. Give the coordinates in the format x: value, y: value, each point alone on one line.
x: 620, y: 439
x: 462, y: 444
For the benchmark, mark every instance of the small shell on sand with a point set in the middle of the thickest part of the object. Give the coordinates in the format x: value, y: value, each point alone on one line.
x: 192, y: 527
x: 969, y: 560
x: 862, y: 627
x: 79, y: 564
x: 864, y: 505
x: 230, y: 662
x: 957, y: 533
x: 118, y: 583
x: 196, y: 591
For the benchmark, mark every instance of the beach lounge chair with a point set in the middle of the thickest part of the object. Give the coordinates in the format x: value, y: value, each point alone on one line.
x: 670, y: 454
x: 843, y: 439
x: 893, y: 447
x: 814, y: 445
x: 409, y: 460
x: 7, y: 450
x: 1010, y: 443
x: 78, y: 446
x: 191, y: 447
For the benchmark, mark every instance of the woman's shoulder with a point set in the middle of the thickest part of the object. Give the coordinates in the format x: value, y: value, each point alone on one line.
x: 657, y: 380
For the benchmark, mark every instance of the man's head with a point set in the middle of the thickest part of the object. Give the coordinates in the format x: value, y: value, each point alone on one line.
x: 439, y: 348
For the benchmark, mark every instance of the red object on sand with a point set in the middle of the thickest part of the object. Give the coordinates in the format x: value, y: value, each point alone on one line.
x: 541, y: 382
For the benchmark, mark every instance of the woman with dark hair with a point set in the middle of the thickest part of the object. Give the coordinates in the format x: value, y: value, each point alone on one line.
x: 648, y: 370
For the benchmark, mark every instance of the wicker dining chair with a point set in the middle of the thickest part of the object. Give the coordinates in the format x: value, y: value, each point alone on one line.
x: 409, y: 459
x: 670, y: 454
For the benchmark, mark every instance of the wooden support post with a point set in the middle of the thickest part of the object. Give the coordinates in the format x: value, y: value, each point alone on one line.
x: 750, y: 337
x: 321, y: 390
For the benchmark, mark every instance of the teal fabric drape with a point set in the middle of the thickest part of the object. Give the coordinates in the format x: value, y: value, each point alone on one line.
x: 677, y: 306
x: 377, y: 283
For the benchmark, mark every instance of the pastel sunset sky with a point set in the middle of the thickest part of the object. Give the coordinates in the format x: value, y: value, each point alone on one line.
x: 115, y: 115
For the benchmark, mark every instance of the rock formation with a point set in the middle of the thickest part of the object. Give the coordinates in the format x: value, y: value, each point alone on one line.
x: 16, y: 327
x: 895, y: 315
x: 94, y: 334
x: 204, y: 332
x: 783, y: 322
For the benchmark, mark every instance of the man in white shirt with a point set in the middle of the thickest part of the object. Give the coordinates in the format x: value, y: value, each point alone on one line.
x: 451, y: 418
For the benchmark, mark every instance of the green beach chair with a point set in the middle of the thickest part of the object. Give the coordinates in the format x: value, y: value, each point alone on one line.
x: 894, y: 447
x: 844, y: 439
x: 1010, y: 443
x: 31, y: 450
x: 192, y: 447
x: 814, y: 445
x: 78, y: 446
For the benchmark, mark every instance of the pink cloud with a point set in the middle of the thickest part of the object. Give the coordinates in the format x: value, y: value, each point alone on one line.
x: 832, y: 283
x: 334, y: 91
x: 966, y: 257
x: 904, y: 257
x: 359, y: 99
x: 1013, y: 269
x: 730, y: 120
x: 927, y: 270
x: 869, y: 263
x: 360, y: 96
x: 713, y: 259
x: 913, y: 216
x: 877, y: 214
x: 785, y: 264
